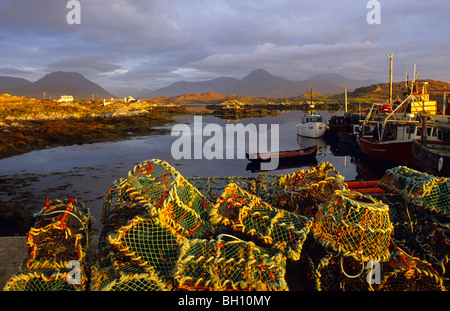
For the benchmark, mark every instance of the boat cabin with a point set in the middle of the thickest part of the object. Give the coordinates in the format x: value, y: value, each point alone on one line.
x: 397, y: 132
x: 312, y: 118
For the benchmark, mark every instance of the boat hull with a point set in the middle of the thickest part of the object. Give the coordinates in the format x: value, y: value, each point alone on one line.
x: 435, y: 161
x: 399, y: 152
x: 286, y: 159
x: 312, y: 129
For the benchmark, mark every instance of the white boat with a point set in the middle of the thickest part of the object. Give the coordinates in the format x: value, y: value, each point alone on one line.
x: 312, y: 125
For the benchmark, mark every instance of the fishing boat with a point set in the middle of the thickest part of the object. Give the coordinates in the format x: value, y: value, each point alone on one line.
x: 392, y: 141
x: 312, y: 124
x: 286, y: 158
x: 432, y: 156
x: 389, y: 135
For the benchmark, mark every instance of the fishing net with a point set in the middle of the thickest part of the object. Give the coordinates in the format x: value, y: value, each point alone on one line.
x: 228, y: 263
x: 355, y: 225
x: 161, y: 190
x: 119, y: 210
x: 327, y: 270
x: 404, y: 272
x: 248, y: 214
x: 422, y: 232
x: 149, y: 243
x: 115, y: 272
x: 324, y: 269
x: 421, y: 189
x: 213, y: 187
x: 341, y: 273
x: 57, y: 244
x: 46, y: 280
x: 301, y: 192
x: 435, y: 248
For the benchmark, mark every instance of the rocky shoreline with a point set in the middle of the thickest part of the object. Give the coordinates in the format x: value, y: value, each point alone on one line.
x: 33, y: 131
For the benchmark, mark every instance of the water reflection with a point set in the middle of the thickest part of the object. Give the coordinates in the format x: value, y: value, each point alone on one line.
x: 86, y: 171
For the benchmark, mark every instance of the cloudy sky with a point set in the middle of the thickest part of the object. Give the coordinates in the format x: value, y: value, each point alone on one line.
x: 132, y: 45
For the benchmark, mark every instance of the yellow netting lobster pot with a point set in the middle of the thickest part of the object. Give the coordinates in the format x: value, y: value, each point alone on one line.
x: 248, y: 214
x: 404, y: 272
x: 355, y: 225
x: 61, y: 233
x: 213, y: 187
x: 164, y: 191
x: 57, y: 246
x: 228, y: 263
x: 149, y: 243
x: 45, y: 280
x: 423, y: 190
x: 336, y: 272
x: 115, y: 272
x: 301, y: 192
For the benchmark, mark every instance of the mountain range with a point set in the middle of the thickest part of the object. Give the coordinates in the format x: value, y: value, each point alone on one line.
x: 261, y: 83
x: 54, y: 84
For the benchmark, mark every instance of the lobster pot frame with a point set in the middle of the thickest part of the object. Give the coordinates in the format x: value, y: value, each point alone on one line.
x: 121, y: 214
x: 44, y: 280
x: 213, y: 187
x: 406, y: 273
x: 355, y: 225
x: 421, y: 189
x: 328, y: 270
x: 324, y: 269
x: 436, y: 248
x: 113, y: 272
x: 229, y: 264
x: 60, y: 236
x: 301, y: 192
x: 161, y: 190
x: 341, y: 273
x: 149, y: 243
x: 61, y: 233
x: 248, y: 214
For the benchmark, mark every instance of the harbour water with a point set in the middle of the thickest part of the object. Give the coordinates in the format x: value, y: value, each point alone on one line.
x: 85, y: 172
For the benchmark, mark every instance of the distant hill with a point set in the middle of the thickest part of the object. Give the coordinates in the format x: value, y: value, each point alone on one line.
x: 184, y: 87
x: 260, y: 83
x: 8, y: 83
x: 189, y: 98
x: 60, y: 83
x: 435, y: 88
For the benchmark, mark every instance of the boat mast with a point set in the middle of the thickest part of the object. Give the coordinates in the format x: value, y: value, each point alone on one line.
x: 391, y: 58
x: 346, y: 97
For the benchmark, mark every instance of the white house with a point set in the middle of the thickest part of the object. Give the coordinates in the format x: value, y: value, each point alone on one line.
x: 65, y: 99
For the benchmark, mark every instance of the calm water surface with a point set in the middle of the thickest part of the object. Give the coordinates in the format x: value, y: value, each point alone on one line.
x: 86, y: 171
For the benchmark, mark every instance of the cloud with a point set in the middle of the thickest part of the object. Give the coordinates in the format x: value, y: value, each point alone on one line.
x: 153, y: 43
x: 83, y: 63
x: 300, y: 61
x: 22, y: 72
